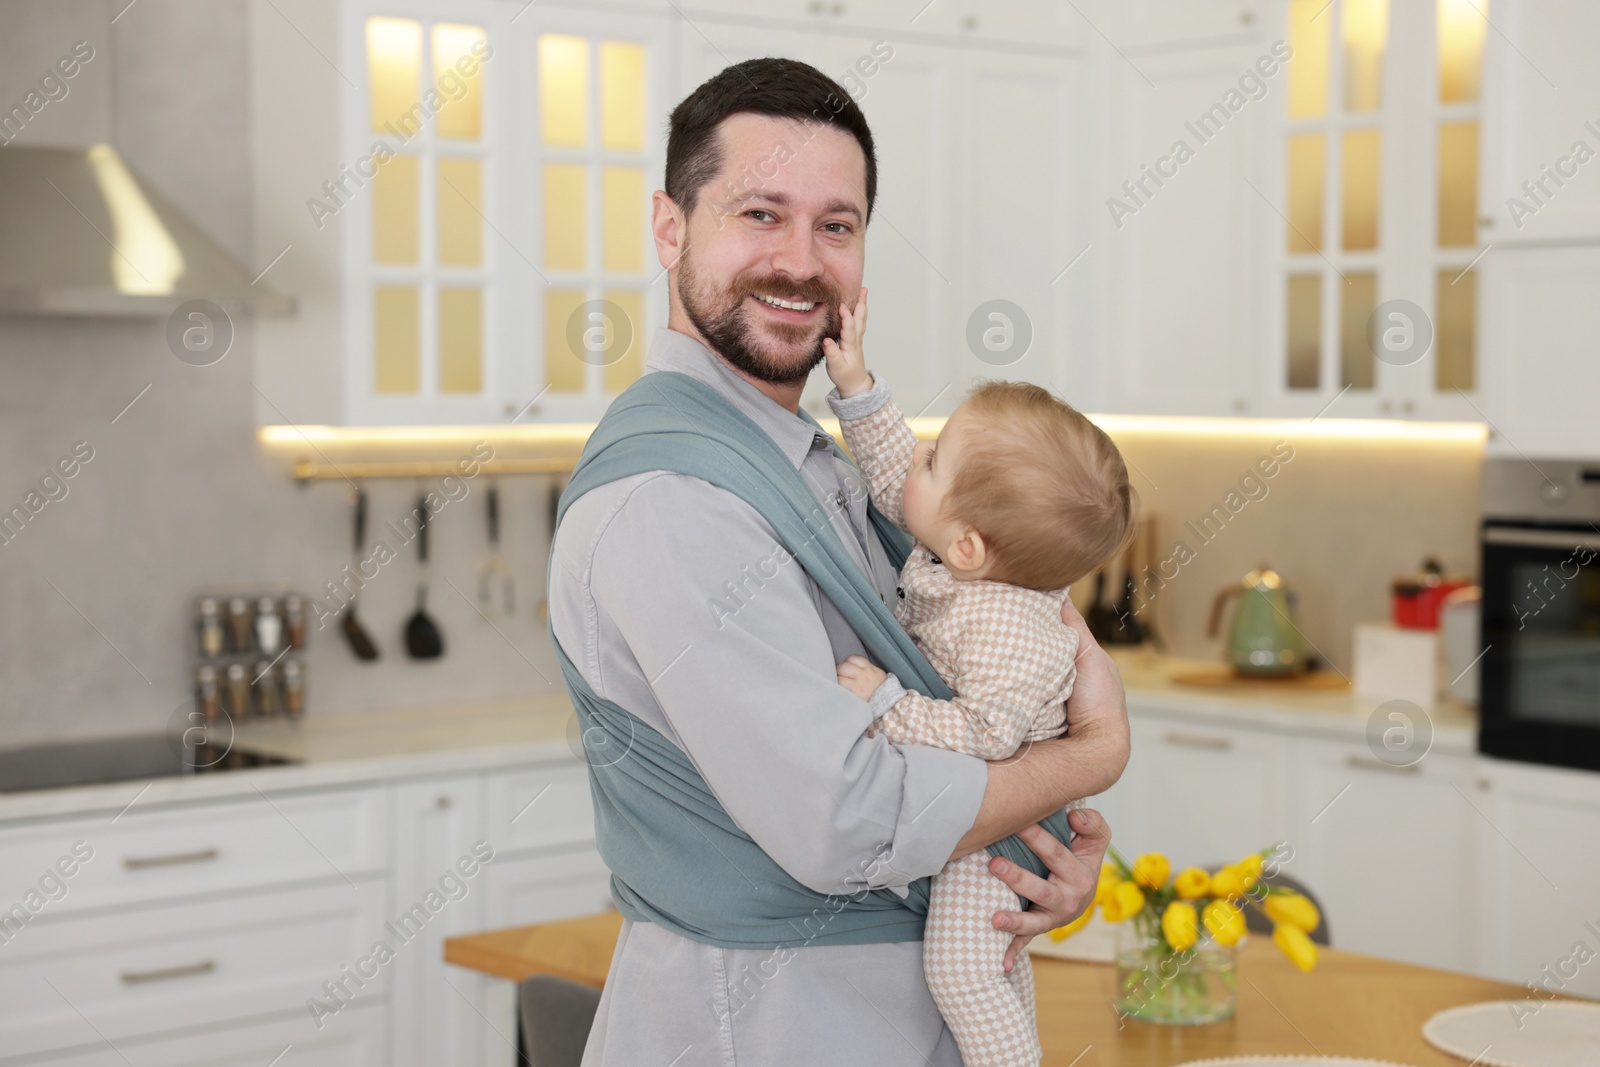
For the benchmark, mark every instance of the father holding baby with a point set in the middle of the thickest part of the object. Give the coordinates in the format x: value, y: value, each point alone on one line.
x: 715, y: 560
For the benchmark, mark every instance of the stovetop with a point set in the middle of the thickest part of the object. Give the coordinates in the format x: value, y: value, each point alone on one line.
x: 116, y: 759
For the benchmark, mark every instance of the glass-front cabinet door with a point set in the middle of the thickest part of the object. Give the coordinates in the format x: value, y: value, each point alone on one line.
x: 497, y: 264
x: 1379, y: 243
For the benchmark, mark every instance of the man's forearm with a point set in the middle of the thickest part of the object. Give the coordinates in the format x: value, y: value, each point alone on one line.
x: 1025, y: 789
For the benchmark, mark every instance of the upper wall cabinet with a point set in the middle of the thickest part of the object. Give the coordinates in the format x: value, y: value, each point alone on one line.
x: 474, y: 224
x: 1181, y: 222
x: 1541, y: 124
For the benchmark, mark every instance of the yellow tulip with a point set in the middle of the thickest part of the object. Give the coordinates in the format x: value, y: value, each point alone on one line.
x: 1151, y: 869
x: 1294, y: 909
x: 1127, y: 900
x: 1061, y: 933
x: 1192, y: 883
x: 1107, y: 884
x: 1249, y: 870
x: 1294, y: 943
x: 1225, y: 922
x: 1179, y: 925
x: 1226, y: 884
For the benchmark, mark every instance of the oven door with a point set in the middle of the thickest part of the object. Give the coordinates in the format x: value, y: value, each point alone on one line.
x: 1541, y: 626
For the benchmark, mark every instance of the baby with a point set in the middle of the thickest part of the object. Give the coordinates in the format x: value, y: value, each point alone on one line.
x: 1018, y: 498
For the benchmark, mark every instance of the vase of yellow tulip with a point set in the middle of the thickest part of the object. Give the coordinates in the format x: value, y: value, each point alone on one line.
x: 1176, y: 934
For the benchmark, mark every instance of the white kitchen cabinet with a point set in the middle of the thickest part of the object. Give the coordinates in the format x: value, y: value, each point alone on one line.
x: 1536, y: 828
x: 443, y: 285
x: 1202, y: 793
x: 525, y: 889
x: 908, y: 99
x: 1192, y: 292
x: 162, y: 853
x: 1384, y: 849
x: 1541, y: 99
x: 1540, y: 319
x: 437, y: 824
x: 357, y: 1042
x: 1167, y: 23
x: 1017, y: 224
x: 542, y: 807
x: 229, y: 958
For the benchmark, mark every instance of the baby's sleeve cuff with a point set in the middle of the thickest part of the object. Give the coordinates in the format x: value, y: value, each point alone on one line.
x: 884, y: 697
x: 862, y: 404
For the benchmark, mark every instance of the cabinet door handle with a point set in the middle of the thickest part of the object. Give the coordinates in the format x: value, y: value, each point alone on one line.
x: 139, y: 863
x: 165, y: 973
x: 1173, y: 737
x: 1371, y: 764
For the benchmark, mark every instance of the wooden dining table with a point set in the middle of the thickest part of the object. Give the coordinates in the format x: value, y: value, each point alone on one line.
x: 1349, y: 1005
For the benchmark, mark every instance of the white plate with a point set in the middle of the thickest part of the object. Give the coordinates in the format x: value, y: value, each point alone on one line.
x: 1519, y: 1033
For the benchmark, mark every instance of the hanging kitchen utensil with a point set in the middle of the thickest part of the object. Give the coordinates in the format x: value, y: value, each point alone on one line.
x: 542, y: 610
x: 355, y: 634
x: 423, y: 639
x: 492, y: 566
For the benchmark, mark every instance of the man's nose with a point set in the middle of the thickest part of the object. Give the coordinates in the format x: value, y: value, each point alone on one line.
x: 796, y: 253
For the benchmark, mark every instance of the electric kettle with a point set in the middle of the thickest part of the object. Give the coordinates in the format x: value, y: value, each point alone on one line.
x: 1263, y: 638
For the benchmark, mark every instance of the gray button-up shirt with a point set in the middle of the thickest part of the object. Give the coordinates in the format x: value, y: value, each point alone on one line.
x: 675, y: 599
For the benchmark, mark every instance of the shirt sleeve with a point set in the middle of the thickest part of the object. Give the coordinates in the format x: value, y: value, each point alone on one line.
x: 1006, y: 685
x: 725, y: 626
x: 880, y: 442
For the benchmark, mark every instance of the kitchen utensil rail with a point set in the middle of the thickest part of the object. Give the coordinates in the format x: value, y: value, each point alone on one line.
x: 308, y: 471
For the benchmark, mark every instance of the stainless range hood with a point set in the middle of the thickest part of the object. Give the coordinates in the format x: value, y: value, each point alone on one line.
x: 82, y: 234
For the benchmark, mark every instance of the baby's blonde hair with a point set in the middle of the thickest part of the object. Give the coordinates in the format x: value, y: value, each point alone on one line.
x: 1044, y: 486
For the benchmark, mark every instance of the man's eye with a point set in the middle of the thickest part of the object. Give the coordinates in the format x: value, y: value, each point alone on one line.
x: 757, y: 214
x: 836, y: 227
x: 927, y: 459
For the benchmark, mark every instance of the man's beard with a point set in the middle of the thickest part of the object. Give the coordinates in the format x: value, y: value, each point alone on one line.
x: 724, y: 322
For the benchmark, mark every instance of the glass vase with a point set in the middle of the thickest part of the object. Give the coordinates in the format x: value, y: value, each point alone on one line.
x: 1159, y: 985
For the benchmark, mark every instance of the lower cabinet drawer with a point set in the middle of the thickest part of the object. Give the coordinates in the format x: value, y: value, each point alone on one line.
x: 540, y: 807
x: 358, y: 1042
x: 150, y: 856
x: 542, y: 889
x: 75, y: 981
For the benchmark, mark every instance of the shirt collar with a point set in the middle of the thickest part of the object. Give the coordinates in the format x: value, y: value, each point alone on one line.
x: 794, y: 436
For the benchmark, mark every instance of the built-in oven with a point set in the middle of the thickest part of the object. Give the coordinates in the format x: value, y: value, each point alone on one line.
x: 1540, y: 673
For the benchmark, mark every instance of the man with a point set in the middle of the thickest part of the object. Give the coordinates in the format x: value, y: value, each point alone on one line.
x: 673, y: 599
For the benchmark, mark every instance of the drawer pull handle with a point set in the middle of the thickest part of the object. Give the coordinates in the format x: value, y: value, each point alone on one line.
x: 1371, y: 764
x: 139, y: 863
x: 188, y: 970
x: 1173, y: 737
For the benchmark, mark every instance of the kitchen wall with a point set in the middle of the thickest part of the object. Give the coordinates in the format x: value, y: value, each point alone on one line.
x: 96, y: 593
x: 1338, y: 520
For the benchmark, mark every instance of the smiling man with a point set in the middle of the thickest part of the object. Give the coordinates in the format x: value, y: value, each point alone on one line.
x: 715, y: 557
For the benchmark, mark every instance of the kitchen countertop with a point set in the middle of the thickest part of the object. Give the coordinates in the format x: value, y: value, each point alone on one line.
x: 341, y: 750
x: 1335, y: 713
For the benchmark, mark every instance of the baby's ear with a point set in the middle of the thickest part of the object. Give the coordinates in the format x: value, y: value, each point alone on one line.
x: 968, y: 552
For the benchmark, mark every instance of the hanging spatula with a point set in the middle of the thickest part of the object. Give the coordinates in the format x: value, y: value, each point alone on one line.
x: 423, y: 639
x: 355, y: 634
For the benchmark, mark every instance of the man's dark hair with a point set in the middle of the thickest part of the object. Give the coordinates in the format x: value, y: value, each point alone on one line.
x: 782, y: 88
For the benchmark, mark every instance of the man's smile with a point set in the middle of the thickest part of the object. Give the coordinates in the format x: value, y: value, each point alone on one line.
x: 787, y: 310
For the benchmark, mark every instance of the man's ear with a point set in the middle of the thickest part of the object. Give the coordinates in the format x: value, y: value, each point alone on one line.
x: 670, y: 227
x: 967, y: 552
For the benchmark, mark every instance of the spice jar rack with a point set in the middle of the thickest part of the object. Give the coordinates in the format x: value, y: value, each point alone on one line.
x: 248, y: 649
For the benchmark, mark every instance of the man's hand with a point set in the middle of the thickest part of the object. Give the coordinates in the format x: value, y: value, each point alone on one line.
x: 846, y: 361
x: 858, y: 675
x: 1069, y: 891
x: 1097, y: 696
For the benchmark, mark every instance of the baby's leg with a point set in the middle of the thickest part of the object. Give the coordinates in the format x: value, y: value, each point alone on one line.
x: 963, y: 955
